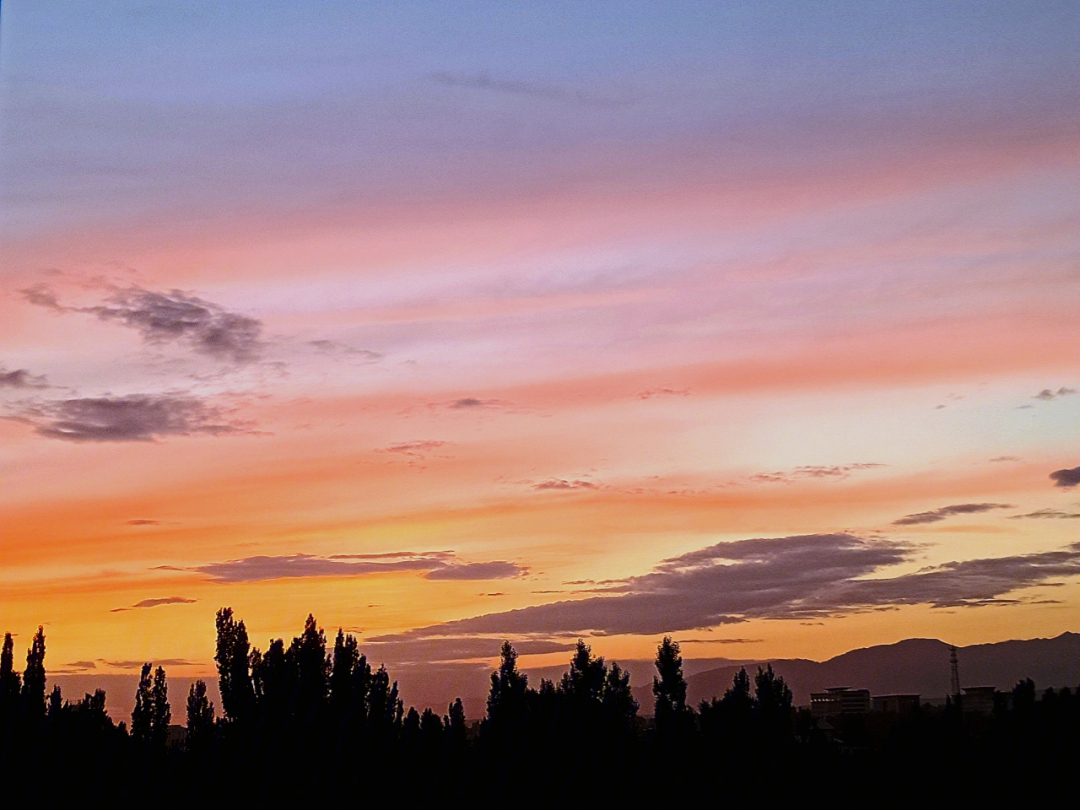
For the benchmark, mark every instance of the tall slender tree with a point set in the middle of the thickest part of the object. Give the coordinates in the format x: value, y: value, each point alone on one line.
x: 200, y: 717
x: 9, y: 679
x: 234, y: 674
x: 142, y: 716
x: 160, y: 712
x: 669, y: 686
x: 33, y: 684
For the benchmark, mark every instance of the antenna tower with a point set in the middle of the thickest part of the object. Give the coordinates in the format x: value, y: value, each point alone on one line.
x: 955, y: 667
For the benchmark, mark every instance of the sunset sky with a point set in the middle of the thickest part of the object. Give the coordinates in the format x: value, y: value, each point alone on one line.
x: 757, y: 324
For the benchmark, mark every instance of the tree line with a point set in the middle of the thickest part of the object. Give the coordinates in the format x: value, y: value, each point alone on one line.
x: 312, y: 720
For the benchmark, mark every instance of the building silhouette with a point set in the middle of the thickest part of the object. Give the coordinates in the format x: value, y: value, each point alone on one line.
x: 837, y: 701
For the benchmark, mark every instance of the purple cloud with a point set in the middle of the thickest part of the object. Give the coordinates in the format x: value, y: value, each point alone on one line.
x: 133, y: 418
x: 1066, y: 479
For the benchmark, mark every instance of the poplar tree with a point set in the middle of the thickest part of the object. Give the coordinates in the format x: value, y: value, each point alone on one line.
x: 33, y: 684
x: 200, y: 717
x: 232, y: 657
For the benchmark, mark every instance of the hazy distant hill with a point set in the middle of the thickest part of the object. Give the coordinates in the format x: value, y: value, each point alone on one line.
x: 917, y: 665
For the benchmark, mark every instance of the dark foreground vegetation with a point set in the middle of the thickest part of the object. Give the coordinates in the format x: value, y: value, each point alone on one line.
x: 300, y: 724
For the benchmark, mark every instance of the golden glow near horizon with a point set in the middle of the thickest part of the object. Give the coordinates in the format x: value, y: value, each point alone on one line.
x: 491, y: 346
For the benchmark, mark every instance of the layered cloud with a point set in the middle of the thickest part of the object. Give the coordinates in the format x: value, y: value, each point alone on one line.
x: 798, y: 577
x: 132, y: 418
x: 937, y: 515
x: 438, y: 565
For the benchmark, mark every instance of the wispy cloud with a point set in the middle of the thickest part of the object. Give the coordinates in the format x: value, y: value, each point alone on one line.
x: 404, y: 650
x: 133, y: 418
x: 416, y: 452
x: 652, y: 393
x: 721, y: 640
x: 498, y: 569
x: 174, y: 316
x: 1049, y: 514
x: 936, y: 515
x: 159, y: 662
x: 482, y: 81
x: 21, y: 378
x: 563, y: 484
x: 149, y: 603
x: 1048, y: 394
x: 434, y: 565
x: 335, y: 348
x: 814, y: 471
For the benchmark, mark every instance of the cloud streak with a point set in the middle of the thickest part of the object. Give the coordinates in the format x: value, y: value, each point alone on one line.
x: 149, y: 603
x: 1048, y: 514
x: 435, y: 566
x: 798, y: 577
x: 937, y: 515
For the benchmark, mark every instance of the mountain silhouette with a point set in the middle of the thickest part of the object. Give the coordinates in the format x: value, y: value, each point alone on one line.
x: 915, y: 665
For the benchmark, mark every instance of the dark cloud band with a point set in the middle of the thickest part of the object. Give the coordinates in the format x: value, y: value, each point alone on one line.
x: 134, y: 418
x: 800, y: 577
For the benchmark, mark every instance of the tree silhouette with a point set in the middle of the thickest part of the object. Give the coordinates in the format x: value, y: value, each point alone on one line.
x: 772, y: 700
x: 10, y: 682
x: 507, y: 701
x: 584, y: 681
x: 307, y: 655
x: 669, y: 687
x: 200, y: 717
x: 456, y: 728
x: 232, y: 657
x: 160, y: 712
x: 142, y: 716
x: 620, y: 707
x: 33, y: 684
